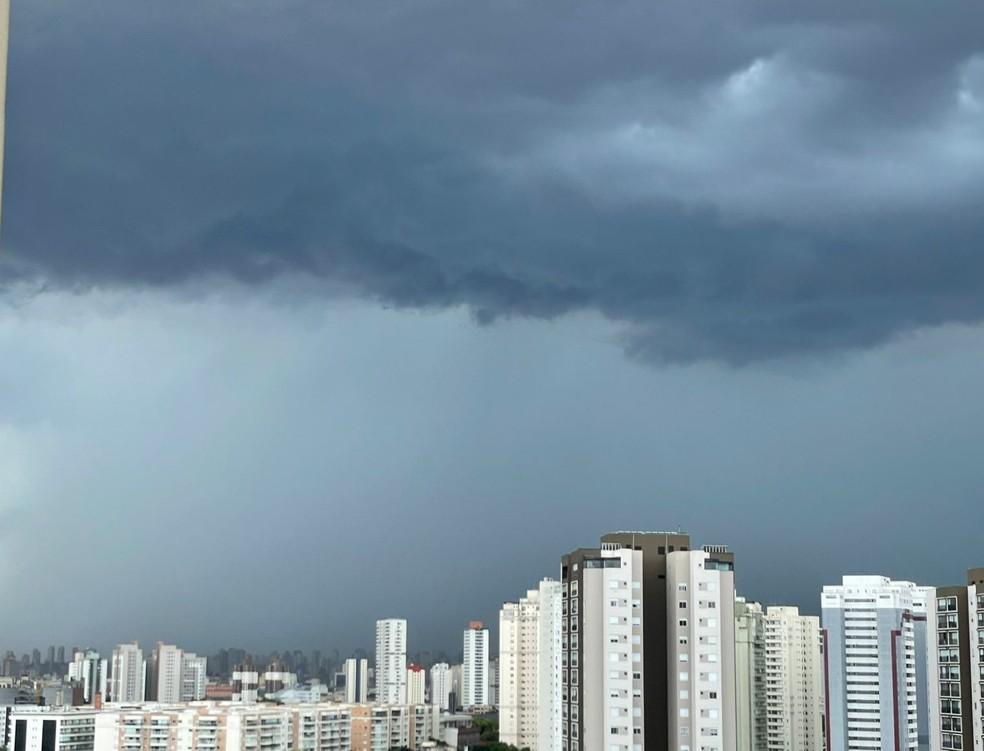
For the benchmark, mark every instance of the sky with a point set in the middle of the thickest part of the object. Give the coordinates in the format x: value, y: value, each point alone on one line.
x: 313, y: 313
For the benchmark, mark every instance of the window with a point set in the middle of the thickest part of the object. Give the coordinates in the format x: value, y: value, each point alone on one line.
x: 684, y: 712
x: 682, y: 604
x: 684, y: 677
x: 682, y: 587
x: 684, y: 693
x: 684, y: 657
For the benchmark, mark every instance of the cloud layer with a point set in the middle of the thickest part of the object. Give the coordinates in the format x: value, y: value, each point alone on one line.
x: 735, y: 183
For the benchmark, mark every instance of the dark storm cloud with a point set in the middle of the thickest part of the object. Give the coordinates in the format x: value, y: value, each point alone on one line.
x: 735, y: 182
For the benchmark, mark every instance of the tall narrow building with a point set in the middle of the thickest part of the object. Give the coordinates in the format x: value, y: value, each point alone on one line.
x: 475, y: 667
x: 128, y: 674
x: 701, y: 642
x: 416, y: 684
x: 750, y: 675
x: 440, y: 685
x: 356, y: 680
x: 530, y: 669
x: 874, y: 632
x: 793, y: 681
x: 615, y: 660
x: 164, y: 684
x: 956, y: 666
x: 194, y: 674
x: 391, y: 661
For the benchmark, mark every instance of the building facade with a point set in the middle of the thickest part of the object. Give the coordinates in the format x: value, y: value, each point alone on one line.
x: 530, y: 669
x: 614, y: 694
x: 416, y: 684
x: 356, y: 680
x: 956, y: 666
x: 750, y: 675
x: 475, y: 667
x: 440, y: 685
x: 793, y: 681
x: 391, y: 661
x: 701, y: 643
x: 128, y: 674
x: 874, y: 636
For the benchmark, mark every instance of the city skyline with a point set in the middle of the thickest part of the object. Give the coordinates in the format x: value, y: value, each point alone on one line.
x: 318, y: 313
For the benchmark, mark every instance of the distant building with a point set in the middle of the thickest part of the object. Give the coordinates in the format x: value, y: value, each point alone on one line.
x: 356, y: 673
x: 440, y: 685
x: 416, y: 684
x: 194, y: 676
x: 90, y: 672
x: 128, y: 674
x: 475, y: 667
x: 245, y: 685
x: 391, y: 661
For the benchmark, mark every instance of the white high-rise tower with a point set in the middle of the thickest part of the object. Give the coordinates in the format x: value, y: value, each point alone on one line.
x: 391, y: 661
x: 128, y: 674
x: 530, y: 669
x: 875, y: 655
x: 475, y: 668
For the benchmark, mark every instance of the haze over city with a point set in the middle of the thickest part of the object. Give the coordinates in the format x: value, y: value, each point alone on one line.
x: 318, y: 313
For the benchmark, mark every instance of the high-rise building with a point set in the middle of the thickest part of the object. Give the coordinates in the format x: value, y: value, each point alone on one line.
x: 793, y: 680
x: 701, y: 641
x: 457, y: 682
x: 874, y: 632
x: 89, y: 671
x: 128, y: 674
x: 614, y: 640
x: 356, y: 680
x: 475, y: 667
x: 530, y: 669
x: 194, y: 676
x: 750, y: 695
x: 391, y: 661
x: 61, y: 655
x: 164, y: 674
x: 440, y: 685
x: 416, y: 684
x: 955, y: 668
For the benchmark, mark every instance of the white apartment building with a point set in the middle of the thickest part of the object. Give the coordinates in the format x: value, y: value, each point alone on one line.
x: 440, y: 685
x: 208, y: 726
x: 602, y: 678
x: 391, y: 661
x: 166, y: 674
x: 416, y: 684
x: 701, y: 650
x: 35, y: 728
x: 530, y: 669
x: 91, y: 672
x: 475, y: 667
x: 194, y: 676
x: 356, y: 673
x: 793, y: 681
x: 750, y: 694
x: 128, y: 675
x: 875, y: 656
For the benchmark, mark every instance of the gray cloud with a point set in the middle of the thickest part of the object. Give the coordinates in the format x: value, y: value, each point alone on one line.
x: 737, y: 184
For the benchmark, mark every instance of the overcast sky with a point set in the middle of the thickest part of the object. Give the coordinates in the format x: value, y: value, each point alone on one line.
x: 313, y: 312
